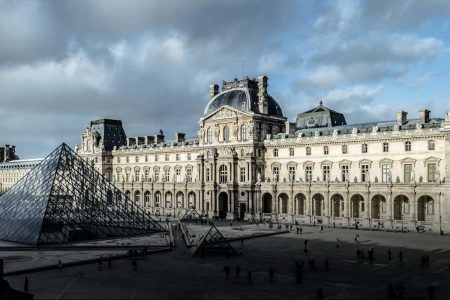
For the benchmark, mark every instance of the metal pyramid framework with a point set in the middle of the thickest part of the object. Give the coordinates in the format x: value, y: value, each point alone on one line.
x: 213, y: 241
x: 64, y: 199
x: 191, y: 215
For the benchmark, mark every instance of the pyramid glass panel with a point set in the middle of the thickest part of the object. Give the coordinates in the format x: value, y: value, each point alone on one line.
x: 64, y: 199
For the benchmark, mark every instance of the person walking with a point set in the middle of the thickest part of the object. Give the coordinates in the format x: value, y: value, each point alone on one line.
x: 227, y: 271
x: 298, y: 276
x: 134, y: 264
x: 25, y: 287
x: 238, y: 271
x: 391, y: 292
x: 271, y: 274
x: 298, y: 230
x: 430, y: 291
x: 320, y: 294
x: 100, y: 263
x: 301, y: 230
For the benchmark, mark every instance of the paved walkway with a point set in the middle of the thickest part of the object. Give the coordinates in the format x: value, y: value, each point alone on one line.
x: 178, y: 275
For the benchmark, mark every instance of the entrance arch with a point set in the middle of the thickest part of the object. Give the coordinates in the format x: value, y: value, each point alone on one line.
x: 191, y: 200
x: 223, y: 205
x: 317, y: 204
x: 300, y: 202
x: 168, y: 200
x: 283, y: 202
x: 180, y: 199
x: 378, y: 203
x: 336, y: 203
x: 425, y: 207
x: 267, y: 203
x: 401, y: 207
x: 357, y: 205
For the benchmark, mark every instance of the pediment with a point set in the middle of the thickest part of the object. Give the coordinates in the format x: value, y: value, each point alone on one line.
x: 226, y: 112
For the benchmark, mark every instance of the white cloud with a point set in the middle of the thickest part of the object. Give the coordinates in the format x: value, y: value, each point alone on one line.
x: 271, y: 62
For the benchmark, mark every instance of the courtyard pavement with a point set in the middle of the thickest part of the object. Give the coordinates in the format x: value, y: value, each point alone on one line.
x: 178, y: 275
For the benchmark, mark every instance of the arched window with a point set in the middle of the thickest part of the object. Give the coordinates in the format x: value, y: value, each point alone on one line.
x: 209, y: 135
x: 407, y: 146
x: 243, y: 133
x: 223, y: 174
x: 226, y: 134
x: 431, y: 145
x: 137, y: 197
x: 147, y: 198
x: 157, y: 199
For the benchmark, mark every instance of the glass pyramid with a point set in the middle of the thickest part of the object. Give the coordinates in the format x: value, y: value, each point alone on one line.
x: 64, y: 199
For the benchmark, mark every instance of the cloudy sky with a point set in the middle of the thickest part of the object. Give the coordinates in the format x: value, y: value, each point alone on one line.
x: 150, y: 63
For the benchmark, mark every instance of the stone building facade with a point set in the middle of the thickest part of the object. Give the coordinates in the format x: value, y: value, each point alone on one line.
x: 250, y: 162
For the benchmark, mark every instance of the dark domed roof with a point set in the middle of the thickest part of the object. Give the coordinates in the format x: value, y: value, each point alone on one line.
x: 242, y: 99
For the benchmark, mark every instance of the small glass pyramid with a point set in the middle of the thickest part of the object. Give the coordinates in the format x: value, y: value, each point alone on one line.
x: 64, y: 199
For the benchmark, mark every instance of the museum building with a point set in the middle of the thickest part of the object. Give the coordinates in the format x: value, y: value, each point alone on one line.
x: 250, y: 162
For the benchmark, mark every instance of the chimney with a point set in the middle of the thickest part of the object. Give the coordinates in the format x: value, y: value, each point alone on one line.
x: 401, y: 118
x: 424, y: 115
x: 213, y: 90
x: 159, y: 138
x: 262, y: 95
x: 179, y: 137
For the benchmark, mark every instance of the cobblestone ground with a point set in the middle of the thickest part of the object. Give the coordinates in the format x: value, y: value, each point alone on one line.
x: 178, y: 275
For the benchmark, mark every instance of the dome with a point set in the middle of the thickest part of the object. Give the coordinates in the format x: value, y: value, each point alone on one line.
x: 242, y: 99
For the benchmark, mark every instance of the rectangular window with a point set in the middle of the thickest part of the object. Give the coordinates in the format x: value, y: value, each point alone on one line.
x: 407, y: 169
x: 431, y: 171
x: 146, y: 173
x: 291, y: 151
x: 364, y: 173
x: 167, y: 174
x: 208, y: 174
x: 275, y: 152
x: 136, y: 175
x: 156, y: 175
x: 308, y: 150
x: 344, y: 170
x: 385, y: 173
x: 364, y: 148
x: 242, y: 174
x: 167, y: 157
x: 325, y: 150
x: 291, y: 173
x: 385, y: 147
x: 178, y: 175
x: 344, y: 149
x: 156, y: 157
x: 326, y: 173
x: 189, y: 175
x: 118, y: 159
x: 177, y: 156
x: 276, y: 174
x: 308, y: 173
